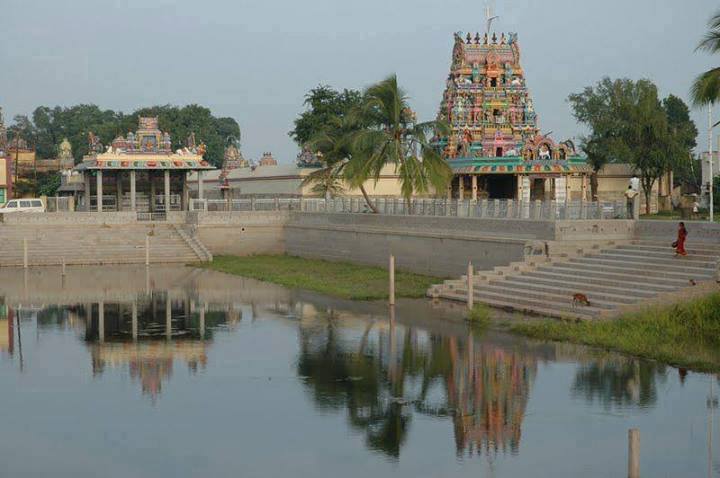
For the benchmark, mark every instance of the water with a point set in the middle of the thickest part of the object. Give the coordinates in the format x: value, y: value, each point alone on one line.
x: 254, y: 380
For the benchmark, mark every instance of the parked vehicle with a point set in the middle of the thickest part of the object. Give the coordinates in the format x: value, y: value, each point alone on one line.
x: 23, y: 205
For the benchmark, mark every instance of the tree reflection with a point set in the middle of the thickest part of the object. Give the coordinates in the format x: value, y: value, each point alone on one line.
x: 381, y: 378
x: 618, y: 381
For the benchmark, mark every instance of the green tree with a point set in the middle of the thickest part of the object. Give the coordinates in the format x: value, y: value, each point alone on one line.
x: 394, y: 137
x: 678, y: 116
x: 51, y: 125
x: 706, y: 87
x: 324, y: 106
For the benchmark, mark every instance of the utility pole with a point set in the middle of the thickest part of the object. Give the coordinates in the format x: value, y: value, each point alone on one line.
x: 710, y: 160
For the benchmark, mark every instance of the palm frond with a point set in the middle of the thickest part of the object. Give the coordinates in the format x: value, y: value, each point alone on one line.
x: 706, y: 88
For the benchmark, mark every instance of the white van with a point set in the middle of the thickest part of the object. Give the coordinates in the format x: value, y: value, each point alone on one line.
x: 23, y: 205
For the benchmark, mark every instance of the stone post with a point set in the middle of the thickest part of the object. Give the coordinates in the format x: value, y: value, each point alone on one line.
x: 474, y: 187
x: 133, y: 191
x: 461, y: 188
x: 134, y: 314
x: 200, y: 184
x: 634, y: 453
x: 99, y: 190
x: 470, y: 292
x: 101, y: 321
x: 392, y: 280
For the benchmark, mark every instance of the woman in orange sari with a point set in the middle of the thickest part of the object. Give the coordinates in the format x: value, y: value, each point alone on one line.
x: 680, y: 243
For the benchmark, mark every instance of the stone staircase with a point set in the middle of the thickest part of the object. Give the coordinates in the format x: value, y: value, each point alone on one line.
x: 86, y: 244
x: 611, y: 276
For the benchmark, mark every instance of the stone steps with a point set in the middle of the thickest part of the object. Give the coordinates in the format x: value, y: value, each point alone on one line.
x: 610, y: 276
x: 97, y: 244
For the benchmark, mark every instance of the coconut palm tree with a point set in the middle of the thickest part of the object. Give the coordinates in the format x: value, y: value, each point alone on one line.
x: 335, y: 145
x: 394, y: 137
x: 706, y: 88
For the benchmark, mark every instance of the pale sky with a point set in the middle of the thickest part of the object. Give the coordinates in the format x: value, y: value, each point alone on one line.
x: 255, y: 60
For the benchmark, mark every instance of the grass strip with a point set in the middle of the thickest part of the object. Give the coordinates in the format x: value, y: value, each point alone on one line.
x: 685, y: 335
x: 338, y: 279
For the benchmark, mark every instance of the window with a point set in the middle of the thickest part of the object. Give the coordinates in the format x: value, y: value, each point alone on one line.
x: 11, y: 204
x: 37, y: 203
x: 3, y: 197
x: 24, y: 203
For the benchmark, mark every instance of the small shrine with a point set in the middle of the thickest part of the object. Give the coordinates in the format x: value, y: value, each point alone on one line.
x: 495, y: 147
x: 307, y: 159
x: 267, y: 160
x: 128, y: 173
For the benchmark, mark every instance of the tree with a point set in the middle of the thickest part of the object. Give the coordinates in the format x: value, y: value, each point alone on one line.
x: 706, y: 88
x: 678, y: 116
x: 324, y: 106
x: 51, y: 125
x: 393, y: 137
x: 628, y: 123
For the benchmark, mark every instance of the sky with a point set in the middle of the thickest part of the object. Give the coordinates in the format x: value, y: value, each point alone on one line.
x: 255, y: 60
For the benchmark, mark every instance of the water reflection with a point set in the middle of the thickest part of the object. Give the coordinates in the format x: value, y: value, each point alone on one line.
x: 387, y: 375
x: 619, y: 382
x: 385, y: 372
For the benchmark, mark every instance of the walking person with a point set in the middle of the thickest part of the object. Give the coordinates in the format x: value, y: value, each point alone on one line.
x: 679, y: 244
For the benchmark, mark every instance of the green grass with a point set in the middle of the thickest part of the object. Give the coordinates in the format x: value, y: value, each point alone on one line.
x: 339, y: 279
x: 686, y: 335
x: 479, y: 315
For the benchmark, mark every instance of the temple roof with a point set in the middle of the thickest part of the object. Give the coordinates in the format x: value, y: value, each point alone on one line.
x: 517, y: 164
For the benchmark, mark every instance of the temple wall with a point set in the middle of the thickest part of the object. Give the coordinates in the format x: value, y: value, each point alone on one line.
x: 440, y: 246
x: 243, y: 233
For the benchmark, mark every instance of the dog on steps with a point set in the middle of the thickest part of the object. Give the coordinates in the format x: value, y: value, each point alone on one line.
x: 580, y: 299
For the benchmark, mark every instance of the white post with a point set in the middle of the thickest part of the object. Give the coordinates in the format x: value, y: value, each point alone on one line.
x: 133, y: 200
x: 202, y: 321
x: 25, y: 253
x: 392, y: 280
x: 134, y: 320
x: 101, y: 321
x: 99, y: 192
x: 634, y: 453
x: 147, y: 250
x: 168, y: 317
x: 474, y: 187
x: 167, y: 191
x: 470, y: 292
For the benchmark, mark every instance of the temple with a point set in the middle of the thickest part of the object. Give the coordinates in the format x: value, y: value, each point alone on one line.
x: 495, y: 147
x: 130, y: 171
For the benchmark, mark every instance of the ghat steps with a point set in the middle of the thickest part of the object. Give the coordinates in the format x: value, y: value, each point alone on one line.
x: 98, y: 244
x: 612, y: 276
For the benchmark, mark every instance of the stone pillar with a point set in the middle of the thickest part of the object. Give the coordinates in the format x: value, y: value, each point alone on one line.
x: 584, y: 187
x: 200, y: 184
x: 185, y: 193
x: 474, y: 187
x: 133, y: 191
x: 118, y: 191
x: 449, y: 190
x: 167, y: 191
x: 461, y: 188
x: 88, y: 192
x: 99, y: 190
x: 152, y: 191
x: 202, y: 321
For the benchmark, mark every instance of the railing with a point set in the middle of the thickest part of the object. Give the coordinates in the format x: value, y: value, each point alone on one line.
x: 484, y: 208
x: 151, y: 216
x: 58, y: 204
x: 251, y: 204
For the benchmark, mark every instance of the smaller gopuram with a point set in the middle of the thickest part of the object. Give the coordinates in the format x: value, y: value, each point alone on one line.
x: 140, y: 171
x: 495, y: 147
x: 267, y: 160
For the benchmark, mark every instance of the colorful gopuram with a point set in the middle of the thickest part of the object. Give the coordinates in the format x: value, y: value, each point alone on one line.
x: 495, y: 147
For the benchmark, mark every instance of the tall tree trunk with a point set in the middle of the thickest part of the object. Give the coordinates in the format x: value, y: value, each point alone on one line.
x: 594, y: 186
x: 648, y: 193
x: 367, y: 200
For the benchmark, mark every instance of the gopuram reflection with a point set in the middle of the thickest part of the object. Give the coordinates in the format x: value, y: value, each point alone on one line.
x: 386, y: 373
